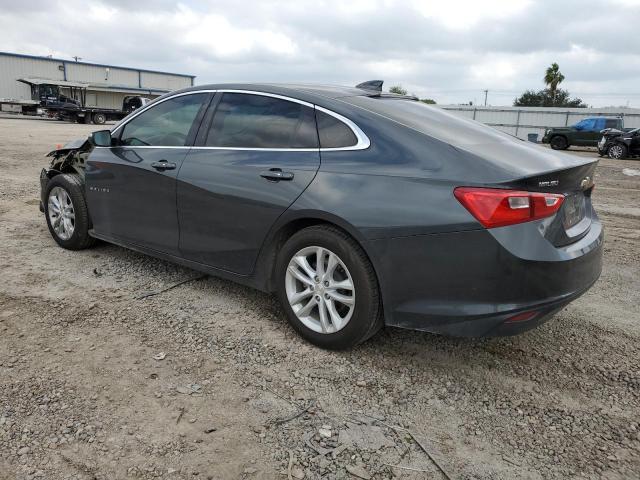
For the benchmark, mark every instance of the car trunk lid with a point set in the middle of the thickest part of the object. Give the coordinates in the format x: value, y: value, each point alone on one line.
x: 573, y: 220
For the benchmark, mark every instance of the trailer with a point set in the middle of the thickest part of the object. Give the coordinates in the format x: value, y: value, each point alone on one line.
x: 67, y: 100
x: 15, y: 105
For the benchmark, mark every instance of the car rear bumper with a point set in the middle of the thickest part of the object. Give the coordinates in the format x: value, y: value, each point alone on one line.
x: 481, y: 283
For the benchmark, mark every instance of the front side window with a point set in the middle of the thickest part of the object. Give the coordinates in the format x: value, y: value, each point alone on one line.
x: 166, y: 124
x: 243, y: 120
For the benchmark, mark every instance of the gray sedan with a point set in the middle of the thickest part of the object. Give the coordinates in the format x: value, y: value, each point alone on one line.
x: 357, y: 208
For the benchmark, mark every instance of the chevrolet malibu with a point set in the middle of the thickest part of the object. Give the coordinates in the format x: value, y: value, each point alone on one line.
x: 357, y: 208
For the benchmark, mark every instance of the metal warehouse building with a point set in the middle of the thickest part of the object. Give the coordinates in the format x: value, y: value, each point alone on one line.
x: 106, y: 85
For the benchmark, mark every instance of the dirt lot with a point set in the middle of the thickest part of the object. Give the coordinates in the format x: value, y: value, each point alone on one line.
x: 82, y: 396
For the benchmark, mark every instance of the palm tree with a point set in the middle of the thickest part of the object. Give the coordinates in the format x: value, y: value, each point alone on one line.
x: 553, y: 78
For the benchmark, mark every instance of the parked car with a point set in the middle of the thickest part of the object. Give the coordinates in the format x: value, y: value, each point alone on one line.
x: 356, y: 207
x: 618, y: 144
x: 585, y: 133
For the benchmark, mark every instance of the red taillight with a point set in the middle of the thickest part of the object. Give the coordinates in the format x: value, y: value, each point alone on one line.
x: 494, y: 207
x: 521, y: 317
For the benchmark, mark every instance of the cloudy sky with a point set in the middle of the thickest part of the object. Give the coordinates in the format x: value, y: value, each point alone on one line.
x: 449, y: 50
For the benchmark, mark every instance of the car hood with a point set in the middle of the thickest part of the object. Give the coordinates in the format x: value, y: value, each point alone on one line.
x: 560, y: 129
x: 611, y: 132
x: 78, y: 144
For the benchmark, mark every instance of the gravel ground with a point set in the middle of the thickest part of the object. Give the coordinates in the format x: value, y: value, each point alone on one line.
x: 208, y: 381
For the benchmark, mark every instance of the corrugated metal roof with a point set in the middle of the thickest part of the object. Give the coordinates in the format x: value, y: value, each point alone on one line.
x: 48, y: 81
x: 92, y: 86
x: 52, y: 59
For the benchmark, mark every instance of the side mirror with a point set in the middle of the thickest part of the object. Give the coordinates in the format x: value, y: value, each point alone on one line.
x: 101, y: 138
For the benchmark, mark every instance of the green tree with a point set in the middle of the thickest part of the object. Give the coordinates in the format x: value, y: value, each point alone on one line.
x: 430, y: 101
x: 544, y: 98
x: 529, y: 98
x: 552, y: 96
x: 553, y: 78
x: 398, y: 89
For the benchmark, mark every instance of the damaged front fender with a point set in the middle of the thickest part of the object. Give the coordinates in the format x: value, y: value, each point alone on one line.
x: 71, y: 158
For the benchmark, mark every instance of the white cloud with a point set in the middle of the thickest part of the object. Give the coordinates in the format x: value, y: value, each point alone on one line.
x: 449, y: 50
x: 461, y: 14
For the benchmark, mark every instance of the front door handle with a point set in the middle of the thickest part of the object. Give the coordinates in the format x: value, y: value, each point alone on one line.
x: 276, y: 174
x: 163, y: 165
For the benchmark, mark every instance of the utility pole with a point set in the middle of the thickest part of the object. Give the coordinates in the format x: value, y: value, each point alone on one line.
x: 76, y: 58
x: 485, y: 97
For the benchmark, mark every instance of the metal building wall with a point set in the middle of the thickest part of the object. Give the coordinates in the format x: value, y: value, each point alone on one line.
x: 79, y: 72
x: 13, y: 67
x: 107, y: 99
x: 520, y: 121
x: 165, y: 82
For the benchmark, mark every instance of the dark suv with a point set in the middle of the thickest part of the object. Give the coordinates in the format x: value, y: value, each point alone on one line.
x: 585, y: 133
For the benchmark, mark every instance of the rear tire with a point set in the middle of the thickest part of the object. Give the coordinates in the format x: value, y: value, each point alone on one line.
x: 617, y: 151
x: 65, y: 209
x: 352, y: 315
x: 559, y: 143
x: 99, y: 118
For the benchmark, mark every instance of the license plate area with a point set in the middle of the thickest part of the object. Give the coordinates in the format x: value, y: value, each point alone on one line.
x: 574, y: 210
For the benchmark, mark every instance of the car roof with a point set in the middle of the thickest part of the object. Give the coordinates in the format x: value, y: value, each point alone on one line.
x: 330, y: 91
x: 307, y: 92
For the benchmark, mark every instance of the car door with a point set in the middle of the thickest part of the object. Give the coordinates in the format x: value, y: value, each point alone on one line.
x: 583, y: 132
x: 131, y: 186
x: 254, y: 155
x: 593, y: 135
x: 634, y: 145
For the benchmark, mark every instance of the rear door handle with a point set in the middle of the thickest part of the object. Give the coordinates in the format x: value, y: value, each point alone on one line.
x: 163, y: 165
x: 276, y: 174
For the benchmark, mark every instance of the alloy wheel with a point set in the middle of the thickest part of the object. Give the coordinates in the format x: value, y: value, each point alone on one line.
x: 615, y: 151
x: 320, y: 289
x: 61, y: 213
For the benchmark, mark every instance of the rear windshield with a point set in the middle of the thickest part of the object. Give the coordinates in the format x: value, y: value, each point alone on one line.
x: 432, y: 121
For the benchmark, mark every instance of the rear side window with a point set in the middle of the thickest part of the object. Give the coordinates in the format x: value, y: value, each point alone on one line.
x: 333, y: 133
x: 166, y: 124
x: 244, y: 120
x: 611, y: 123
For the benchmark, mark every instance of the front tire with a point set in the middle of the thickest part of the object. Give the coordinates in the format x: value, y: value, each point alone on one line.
x: 66, y: 212
x: 328, y: 288
x: 559, y: 143
x: 617, y: 151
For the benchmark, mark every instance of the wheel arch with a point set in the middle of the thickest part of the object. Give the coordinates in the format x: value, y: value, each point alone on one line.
x: 561, y: 135
x: 286, y: 227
